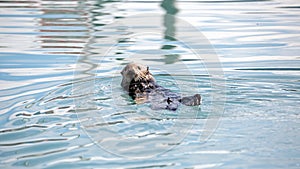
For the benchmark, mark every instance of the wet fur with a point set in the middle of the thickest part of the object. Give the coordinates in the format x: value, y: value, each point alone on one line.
x: 142, y: 87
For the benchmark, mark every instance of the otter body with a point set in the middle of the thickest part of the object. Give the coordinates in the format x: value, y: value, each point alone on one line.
x: 141, y: 86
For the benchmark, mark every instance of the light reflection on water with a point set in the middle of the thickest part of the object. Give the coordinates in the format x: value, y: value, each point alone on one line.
x: 42, y: 43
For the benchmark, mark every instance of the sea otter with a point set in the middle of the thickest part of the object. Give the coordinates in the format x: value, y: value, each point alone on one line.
x: 141, y: 86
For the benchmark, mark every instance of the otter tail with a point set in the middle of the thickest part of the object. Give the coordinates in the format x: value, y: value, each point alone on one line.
x: 191, y: 100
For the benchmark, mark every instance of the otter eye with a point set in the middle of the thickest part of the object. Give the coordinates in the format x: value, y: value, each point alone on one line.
x: 139, y: 68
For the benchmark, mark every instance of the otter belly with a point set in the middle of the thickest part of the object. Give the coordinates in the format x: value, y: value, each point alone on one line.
x: 159, y: 97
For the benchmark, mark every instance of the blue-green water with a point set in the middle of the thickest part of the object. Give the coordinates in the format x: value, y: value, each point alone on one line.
x: 61, y: 104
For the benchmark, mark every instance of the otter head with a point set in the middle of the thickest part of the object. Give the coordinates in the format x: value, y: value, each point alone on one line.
x: 135, y: 72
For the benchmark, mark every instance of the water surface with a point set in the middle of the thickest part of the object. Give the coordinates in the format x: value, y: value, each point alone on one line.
x: 62, y: 106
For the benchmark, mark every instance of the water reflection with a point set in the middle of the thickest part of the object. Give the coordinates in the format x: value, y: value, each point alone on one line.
x: 170, y: 30
x: 169, y: 22
x: 40, y: 41
x: 62, y: 27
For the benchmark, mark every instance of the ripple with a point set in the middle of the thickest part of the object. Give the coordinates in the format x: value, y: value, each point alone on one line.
x: 22, y: 128
x: 31, y: 142
x: 62, y: 105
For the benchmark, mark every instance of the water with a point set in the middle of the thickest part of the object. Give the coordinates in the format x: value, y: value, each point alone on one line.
x: 62, y: 105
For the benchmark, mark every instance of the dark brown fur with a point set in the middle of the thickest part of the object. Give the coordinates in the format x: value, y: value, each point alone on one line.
x: 141, y: 86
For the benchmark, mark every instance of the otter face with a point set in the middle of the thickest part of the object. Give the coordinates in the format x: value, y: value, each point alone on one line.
x: 136, y: 72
